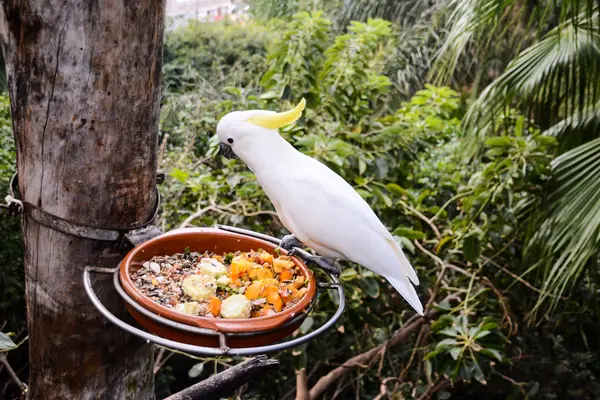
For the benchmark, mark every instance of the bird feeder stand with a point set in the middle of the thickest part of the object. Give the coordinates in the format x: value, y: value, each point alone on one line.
x: 148, y: 231
x: 223, y: 349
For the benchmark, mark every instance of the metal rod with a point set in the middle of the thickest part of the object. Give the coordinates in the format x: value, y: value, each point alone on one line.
x: 246, y: 232
x: 156, y: 317
x: 87, y: 283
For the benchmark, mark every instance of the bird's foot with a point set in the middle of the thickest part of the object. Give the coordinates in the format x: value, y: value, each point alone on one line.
x: 288, y: 242
x: 316, y: 260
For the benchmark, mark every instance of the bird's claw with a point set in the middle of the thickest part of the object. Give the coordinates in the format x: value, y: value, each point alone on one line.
x: 295, y: 248
x: 288, y: 242
x: 316, y: 260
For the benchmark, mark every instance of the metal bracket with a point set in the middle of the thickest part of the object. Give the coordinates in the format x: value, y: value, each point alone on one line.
x: 141, y: 235
x: 223, y: 349
x: 134, y: 235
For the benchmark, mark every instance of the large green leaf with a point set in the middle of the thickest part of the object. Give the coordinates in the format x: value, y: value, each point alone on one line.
x: 572, y: 230
x: 471, y: 248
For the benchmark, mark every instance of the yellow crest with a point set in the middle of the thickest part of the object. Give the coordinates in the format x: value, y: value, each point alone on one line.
x: 278, y: 120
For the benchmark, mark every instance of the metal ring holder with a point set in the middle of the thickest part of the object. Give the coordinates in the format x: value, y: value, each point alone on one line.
x: 223, y: 349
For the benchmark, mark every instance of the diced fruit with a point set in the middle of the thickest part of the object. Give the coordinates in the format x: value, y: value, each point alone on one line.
x: 214, y: 306
x: 287, y: 293
x: 270, y: 281
x: 300, y: 293
x: 224, y: 280
x: 235, y: 285
x: 253, y: 291
x: 268, y: 289
x: 286, y: 275
x: 274, y: 299
x: 266, y: 311
x: 240, y: 266
x: 266, y: 257
x: 260, y: 272
x: 299, y: 282
x: 199, y: 287
x: 236, y: 306
x: 280, y: 264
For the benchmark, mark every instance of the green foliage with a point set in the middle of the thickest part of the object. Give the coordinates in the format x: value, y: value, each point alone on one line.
x: 207, y: 56
x: 268, y: 9
x: 296, y: 58
x: 7, y: 344
x: 463, y: 348
x: 12, y: 287
x: 341, y: 82
x: 556, y: 79
x: 402, y: 12
x: 569, y: 239
x: 405, y: 162
x: 463, y: 223
x: 351, y: 73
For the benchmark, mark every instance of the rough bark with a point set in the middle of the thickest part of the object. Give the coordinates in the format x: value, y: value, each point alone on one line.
x: 84, y: 82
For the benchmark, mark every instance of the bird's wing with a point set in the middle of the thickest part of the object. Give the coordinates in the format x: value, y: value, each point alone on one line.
x: 319, y: 205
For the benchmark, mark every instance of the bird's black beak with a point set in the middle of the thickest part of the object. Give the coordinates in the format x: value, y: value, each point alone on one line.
x: 227, y: 151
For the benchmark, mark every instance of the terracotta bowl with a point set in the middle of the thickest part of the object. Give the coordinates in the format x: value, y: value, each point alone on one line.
x: 248, y: 332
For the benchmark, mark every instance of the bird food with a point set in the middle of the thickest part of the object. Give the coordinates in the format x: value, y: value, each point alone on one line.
x: 233, y: 285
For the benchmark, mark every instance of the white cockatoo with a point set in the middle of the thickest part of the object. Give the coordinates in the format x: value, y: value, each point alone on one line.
x: 314, y: 203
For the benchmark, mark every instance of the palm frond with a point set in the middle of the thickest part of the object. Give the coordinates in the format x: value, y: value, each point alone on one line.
x: 554, y: 79
x: 577, y: 129
x: 572, y: 230
x: 468, y: 21
x: 479, y: 31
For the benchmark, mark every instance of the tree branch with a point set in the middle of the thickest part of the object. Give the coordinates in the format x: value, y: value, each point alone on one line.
x: 399, y: 336
x: 221, y: 384
x: 11, y: 372
x: 198, y: 214
x: 302, y: 385
x: 424, y: 218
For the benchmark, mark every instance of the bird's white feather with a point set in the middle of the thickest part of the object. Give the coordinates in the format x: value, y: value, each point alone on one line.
x: 324, y: 212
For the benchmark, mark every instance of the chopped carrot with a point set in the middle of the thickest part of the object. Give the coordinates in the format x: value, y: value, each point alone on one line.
x: 214, y: 306
x: 268, y: 289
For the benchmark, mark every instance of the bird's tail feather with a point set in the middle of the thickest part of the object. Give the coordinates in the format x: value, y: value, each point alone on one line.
x: 407, y: 290
x: 404, y: 263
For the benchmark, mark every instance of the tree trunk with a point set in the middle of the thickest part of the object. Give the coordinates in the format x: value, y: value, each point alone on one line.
x: 84, y: 81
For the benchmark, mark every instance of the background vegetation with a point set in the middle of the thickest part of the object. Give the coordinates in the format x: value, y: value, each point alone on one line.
x: 471, y: 128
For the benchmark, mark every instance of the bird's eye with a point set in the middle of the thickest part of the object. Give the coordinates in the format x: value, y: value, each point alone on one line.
x: 230, y: 140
